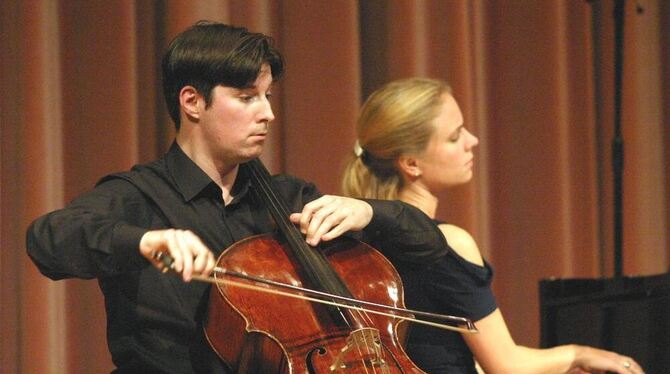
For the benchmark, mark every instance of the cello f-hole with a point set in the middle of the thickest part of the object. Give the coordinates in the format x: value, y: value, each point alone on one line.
x: 309, y: 359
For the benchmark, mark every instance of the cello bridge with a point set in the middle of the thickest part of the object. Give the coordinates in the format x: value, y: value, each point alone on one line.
x: 363, y: 347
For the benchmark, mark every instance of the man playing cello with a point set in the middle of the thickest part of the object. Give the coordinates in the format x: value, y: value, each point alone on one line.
x: 191, y: 203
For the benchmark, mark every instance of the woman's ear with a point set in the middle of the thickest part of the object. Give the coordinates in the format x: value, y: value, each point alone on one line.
x: 188, y: 100
x: 408, y: 166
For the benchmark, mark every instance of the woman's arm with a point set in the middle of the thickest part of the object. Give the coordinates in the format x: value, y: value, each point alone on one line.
x: 495, y: 349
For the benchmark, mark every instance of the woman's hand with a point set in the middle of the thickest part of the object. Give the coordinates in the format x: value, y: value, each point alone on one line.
x: 593, y: 360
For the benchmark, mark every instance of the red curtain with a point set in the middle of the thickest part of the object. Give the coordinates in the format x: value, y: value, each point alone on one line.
x: 81, y: 98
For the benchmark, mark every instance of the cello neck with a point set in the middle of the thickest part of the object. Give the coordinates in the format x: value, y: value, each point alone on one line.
x: 314, y: 263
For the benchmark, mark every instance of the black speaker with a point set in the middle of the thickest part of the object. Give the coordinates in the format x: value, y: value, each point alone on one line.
x: 628, y: 315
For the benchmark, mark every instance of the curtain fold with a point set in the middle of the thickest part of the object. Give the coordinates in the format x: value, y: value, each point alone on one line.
x: 81, y: 97
x: 42, y: 308
x: 538, y: 129
x: 321, y: 89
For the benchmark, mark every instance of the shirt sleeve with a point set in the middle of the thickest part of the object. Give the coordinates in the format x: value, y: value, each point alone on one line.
x: 460, y: 287
x: 96, y: 235
x: 404, y: 233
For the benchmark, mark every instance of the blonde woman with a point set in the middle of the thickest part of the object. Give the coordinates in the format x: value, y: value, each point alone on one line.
x: 412, y: 144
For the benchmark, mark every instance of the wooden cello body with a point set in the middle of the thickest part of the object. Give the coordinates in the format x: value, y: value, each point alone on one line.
x: 265, y: 333
x: 257, y: 332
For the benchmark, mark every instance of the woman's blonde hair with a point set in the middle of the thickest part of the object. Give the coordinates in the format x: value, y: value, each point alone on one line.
x: 395, y: 120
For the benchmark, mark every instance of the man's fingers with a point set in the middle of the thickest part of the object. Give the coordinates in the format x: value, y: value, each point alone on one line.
x: 204, y: 259
x: 173, y: 249
x: 322, y: 222
x: 189, y: 254
x: 185, y: 248
x: 330, y: 216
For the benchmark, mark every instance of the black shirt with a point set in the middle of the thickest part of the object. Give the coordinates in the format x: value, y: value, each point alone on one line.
x: 449, y: 285
x: 153, y: 320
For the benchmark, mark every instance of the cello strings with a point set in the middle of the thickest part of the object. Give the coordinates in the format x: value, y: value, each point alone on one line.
x: 360, y: 354
x: 263, y: 178
x: 317, y: 265
x: 313, y: 263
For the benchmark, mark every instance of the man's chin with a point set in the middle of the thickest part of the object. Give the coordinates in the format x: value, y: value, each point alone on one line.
x: 253, y: 154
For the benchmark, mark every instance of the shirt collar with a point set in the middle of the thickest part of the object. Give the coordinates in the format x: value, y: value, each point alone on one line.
x: 191, y: 180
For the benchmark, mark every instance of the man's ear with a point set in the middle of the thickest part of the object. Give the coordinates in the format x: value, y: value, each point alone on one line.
x: 408, y: 165
x: 189, y: 99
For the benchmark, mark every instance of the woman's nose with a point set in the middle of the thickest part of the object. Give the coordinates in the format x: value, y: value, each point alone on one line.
x: 472, y: 140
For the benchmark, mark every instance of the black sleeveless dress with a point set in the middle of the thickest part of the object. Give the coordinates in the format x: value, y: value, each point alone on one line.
x: 450, y: 285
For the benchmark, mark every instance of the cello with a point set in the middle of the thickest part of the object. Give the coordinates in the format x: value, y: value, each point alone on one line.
x: 269, y: 333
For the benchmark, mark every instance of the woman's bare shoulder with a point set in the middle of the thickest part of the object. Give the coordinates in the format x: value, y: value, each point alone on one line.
x: 462, y: 243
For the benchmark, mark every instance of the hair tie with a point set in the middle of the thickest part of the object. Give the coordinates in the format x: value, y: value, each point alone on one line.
x: 362, y: 154
x: 358, y: 150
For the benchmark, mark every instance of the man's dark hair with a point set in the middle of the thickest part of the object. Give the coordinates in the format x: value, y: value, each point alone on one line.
x: 209, y: 54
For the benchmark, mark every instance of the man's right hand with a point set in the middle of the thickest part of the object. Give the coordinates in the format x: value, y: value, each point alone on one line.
x: 191, y: 256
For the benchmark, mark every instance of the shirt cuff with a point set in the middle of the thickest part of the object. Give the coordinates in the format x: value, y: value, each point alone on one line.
x: 385, y: 215
x: 126, y: 246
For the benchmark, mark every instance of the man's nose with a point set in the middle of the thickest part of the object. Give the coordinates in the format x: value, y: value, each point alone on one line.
x: 267, y: 115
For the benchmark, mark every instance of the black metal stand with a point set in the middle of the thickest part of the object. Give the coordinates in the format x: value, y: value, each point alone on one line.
x: 617, y: 143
